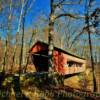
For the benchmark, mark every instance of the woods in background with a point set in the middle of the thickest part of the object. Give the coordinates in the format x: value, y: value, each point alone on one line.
x: 64, y: 26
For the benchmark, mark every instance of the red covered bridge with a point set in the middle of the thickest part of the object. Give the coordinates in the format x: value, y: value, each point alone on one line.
x: 64, y: 62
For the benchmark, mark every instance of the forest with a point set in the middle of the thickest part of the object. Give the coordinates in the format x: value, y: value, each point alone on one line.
x: 65, y: 25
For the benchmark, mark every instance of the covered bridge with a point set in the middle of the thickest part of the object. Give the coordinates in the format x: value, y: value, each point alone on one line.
x: 64, y: 62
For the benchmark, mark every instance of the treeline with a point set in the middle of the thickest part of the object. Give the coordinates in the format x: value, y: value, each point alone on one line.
x: 16, y: 37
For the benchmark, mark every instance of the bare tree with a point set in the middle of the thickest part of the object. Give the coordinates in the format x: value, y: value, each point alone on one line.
x: 27, y: 58
x: 89, y: 3
x: 52, y: 18
x: 24, y: 11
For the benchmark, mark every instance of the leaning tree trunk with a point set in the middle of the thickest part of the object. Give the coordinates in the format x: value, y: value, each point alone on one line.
x: 14, y: 54
x: 27, y: 59
x: 21, y: 54
x: 92, y: 61
x: 90, y: 45
x: 51, y: 33
x: 5, y: 54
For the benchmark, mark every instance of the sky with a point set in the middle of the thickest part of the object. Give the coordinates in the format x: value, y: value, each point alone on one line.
x: 38, y: 7
x: 43, y: 6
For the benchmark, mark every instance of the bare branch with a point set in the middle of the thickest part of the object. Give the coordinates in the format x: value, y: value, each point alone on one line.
x: 80, y: 1
x: 70, y: 15
x: 96, y: 11
x: 78, y: 35
x: 68, y: 3
x: 60, y: 3
x: 20, y: 19
x: 75, y: 38
x: 28, y: 9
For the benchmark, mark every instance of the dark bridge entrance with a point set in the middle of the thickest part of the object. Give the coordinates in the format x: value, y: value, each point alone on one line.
x: 40, y: 60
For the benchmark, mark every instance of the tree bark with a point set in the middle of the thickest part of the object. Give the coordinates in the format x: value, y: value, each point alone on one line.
x: 51, y: 33
x: 21, y: 54
x: 92, y: 61
x: 90, y: 47
x: 5, y: 54
x: 14, y: 54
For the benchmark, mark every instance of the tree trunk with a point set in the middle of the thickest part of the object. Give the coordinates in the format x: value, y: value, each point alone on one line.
x: 5, y: 54
x: 21, y: 54
x: 27, y: 58
x: 92, y: 62
x: 51, y: 33
x: 14, y: 54
x: 90, y: 46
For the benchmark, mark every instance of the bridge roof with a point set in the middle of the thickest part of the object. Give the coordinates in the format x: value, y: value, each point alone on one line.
x: 55, y: 48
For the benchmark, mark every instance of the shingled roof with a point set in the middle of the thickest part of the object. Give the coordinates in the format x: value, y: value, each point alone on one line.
x: 55, y: 48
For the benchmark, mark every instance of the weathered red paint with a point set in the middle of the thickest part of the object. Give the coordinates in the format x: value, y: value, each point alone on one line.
x: 37, y: 47
x: 60, y: 59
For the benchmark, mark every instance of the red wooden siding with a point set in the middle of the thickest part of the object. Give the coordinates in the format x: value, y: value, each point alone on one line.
x: 61, y: 60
